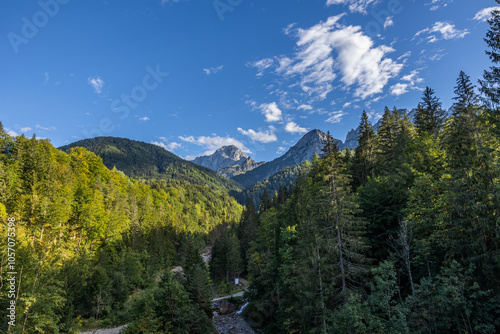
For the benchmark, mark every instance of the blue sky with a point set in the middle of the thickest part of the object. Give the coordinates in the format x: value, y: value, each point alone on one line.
x: 193, y: 75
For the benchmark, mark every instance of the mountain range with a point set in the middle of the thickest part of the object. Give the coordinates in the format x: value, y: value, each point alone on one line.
x: 228, y: 169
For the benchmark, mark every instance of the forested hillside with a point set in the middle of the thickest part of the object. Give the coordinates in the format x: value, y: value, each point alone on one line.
x: 402, y: 237
x: 284, y: 178
x: 147, y: 161
x: 86, y: 238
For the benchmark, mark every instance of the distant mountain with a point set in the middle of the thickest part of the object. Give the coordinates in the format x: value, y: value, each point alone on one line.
x: 312, y: 143
x: 228, y: 161
x: 146, y: 161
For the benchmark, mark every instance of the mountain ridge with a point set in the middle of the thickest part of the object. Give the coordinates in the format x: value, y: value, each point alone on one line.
x: 310, y: 144
x: 147, y: 161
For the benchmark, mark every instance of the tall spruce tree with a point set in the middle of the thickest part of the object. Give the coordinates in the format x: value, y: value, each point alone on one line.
x: 490, y: 85
x: 363, y: 162
x: 430, y: 116
x: 247, y: 229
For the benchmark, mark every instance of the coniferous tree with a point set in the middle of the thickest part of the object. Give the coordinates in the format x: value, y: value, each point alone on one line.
x: 491, y: 78
x: 430, y: 116
x: 265, y: 202
x: 365, y: 152
x: 386, y: 144
x: 247, y: 229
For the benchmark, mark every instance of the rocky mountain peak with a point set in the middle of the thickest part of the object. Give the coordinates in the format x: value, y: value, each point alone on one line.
x: 305, y: 149
x: 231, y: 152
x: 228, y: 160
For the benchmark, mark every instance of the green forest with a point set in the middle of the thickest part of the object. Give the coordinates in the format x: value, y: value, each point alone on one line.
x: 88, y: 238
x: 401, y: 235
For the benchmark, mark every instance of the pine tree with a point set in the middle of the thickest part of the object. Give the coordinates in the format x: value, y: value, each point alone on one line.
x: 471, y: 188
x: 430, y: 116
x: 337, y: 224
x: 247, y: 229
x: 365, y: 152
x: 266, y: 202
x: 386, y: 144
x: 490, y: 85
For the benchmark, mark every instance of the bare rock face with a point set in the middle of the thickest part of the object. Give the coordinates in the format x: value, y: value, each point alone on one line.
x: 246, y: 166
x: 228, y: 161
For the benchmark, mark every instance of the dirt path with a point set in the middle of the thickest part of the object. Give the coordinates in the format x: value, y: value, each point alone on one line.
x: 106, y: 331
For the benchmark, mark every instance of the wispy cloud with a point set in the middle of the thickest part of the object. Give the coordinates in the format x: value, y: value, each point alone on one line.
x: 144, y: 119
x: 26, y: 129
x: 168, y: 146
x: 335, y: 117
x: 293, y: 127
x: 305, y: 107
x: 47, y: 78
x: 356, y: 6
x: 50, y: 128
x: 261, y: 65
x: 436, y: 4
x: 485, y: 14
x: 213, y: 70
x: 214, y: 143
x: 97, y: 83
x: 260, y: 136
x: 442, y: 30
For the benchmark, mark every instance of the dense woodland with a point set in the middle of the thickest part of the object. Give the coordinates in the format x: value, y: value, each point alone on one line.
x: 89, y: 237
x: 400, y: 236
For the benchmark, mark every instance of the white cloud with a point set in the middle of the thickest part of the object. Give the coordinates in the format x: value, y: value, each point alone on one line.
x: 213, y: 70
x: 357, y: 6
x: 436, y: 4
x: 329, y: 47
x: 442, y: 30
x: 389, y: 22
x: 144, y: 119
x: 336, y: 117
x: 305, y: 107
x: 293, y: 127
x: 485, y: 14
x: 168, y: 146
x: 259, y: 136
x: 281, y: 150
x: 189, y: 139
x: 12, y: 133
x: 271, y: 111
x: 374, y: 116
x: 50, y: 128
x: 412, y: 81
x: 97, y: 83
x: 407, y: 54
x: 26, y: 129
x: 347, y: 104
x: 399, y: 89
x: 47, y: 78
x: 214, y: 143
x: 261, y: 65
